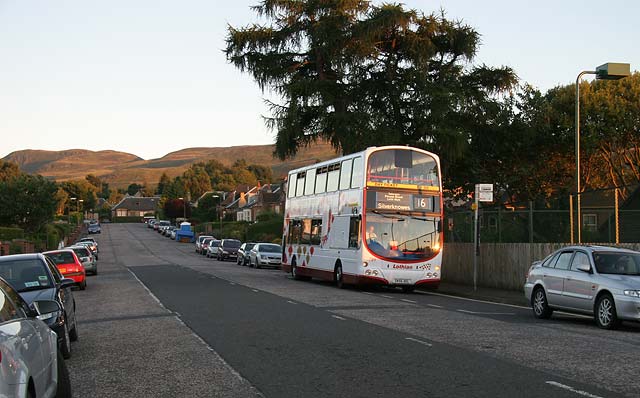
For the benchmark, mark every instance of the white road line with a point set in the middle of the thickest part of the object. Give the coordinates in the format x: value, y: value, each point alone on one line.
x: 339, y: 317
x: 232, y: 284
x: 419, y: 341
x: 435, y: 306
x: 569, y: 388
x: 367, y: 293
x: 485, y: 313
x: 291, y: 302
x: 409, y: 301
x: 255, y: 291
x: 474, y: 300
x: 389, y: 297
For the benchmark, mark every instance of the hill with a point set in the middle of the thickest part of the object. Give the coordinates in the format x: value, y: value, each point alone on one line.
x: 120, y: 169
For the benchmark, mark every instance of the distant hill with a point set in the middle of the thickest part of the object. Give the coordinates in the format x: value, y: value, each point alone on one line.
x: 120, y: 169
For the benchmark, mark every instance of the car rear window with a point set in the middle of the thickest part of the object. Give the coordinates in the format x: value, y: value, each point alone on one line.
x: 62, y: 258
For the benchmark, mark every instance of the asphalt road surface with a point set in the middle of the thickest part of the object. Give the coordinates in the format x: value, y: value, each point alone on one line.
x: 161, y: 320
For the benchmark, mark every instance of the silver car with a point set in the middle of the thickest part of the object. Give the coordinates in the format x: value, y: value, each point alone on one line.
x: 265, y: 254
x: 595, y: 280
x: 87, y: 258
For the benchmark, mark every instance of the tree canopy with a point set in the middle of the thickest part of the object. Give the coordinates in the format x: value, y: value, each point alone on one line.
x: 358, y: 75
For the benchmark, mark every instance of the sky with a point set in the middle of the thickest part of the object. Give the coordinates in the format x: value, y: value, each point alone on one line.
x: 149, y: 77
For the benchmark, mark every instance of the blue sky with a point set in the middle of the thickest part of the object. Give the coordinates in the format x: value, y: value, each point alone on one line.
x: 149, y: 77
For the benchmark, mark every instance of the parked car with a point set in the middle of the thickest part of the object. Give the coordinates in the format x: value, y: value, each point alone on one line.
x: 89, y: 245
x: 151, y: 222
x: 91, y: 240
x: 94, y: 228
x: 160, y: 225
x: 595, y: 280
x: 69, y: 266
x: 205, y: 245
x: 265, y: 254
x: 212, y: 248
x: 86, y: 258
x: 172, y: 235
x: 228, y: 249
x: 199, y: 241
x: 30, y: 362
x: 243, y: 253
x: 37, y: 278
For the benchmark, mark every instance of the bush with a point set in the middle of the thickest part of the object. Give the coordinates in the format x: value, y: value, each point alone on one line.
x: 266, y: 231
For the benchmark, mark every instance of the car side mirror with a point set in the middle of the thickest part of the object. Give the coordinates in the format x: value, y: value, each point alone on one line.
x: 46, y: 309
x: 584, y: 268
x: 67, y: 282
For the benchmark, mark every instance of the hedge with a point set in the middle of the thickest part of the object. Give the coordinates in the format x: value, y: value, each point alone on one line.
x: 7, y: 233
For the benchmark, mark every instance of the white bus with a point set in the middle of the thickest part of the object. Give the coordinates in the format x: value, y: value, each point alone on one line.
x: 372, y: 217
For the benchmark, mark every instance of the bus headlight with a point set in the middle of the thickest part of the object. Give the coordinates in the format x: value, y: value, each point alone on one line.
x: 371, y: 272
x: 437, y: 268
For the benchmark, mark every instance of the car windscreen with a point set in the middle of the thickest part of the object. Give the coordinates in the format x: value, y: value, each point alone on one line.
x: 617, y: 263
x: 232, y: 243
x: 62, y: 258
x: 270, y: 248
x: 25, y: 275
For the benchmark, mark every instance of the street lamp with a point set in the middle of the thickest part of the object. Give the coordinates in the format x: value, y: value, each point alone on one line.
x: 184, y: 209
x: 78, y: 209
x: 219, y: 206
x: 608, y: 71
x: 69, y: 214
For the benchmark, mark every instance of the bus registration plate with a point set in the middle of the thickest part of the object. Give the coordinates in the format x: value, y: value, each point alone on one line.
x: 402, y: 281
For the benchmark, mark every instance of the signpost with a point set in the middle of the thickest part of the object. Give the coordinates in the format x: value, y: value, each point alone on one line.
x: 483, y: 193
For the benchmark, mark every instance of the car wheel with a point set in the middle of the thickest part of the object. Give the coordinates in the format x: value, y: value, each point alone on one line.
x: 605, y: 313
x: 63, y: 390
x: 95, y: 272
x: 339, y: 277
x: 73, y: 333
x: 83, y: 285
x: 539, y: 304
x: 65, y: 347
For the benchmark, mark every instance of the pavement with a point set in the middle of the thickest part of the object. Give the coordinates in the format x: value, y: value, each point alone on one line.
x: 513, y: 297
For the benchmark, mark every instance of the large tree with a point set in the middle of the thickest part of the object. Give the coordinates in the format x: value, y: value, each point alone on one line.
x: 29, y: 201
x: 359, y: 75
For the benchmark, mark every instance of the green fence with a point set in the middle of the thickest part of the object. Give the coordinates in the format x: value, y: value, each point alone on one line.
x: 607, y: 216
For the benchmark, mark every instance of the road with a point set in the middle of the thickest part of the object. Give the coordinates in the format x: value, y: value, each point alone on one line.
x: 161, y: 320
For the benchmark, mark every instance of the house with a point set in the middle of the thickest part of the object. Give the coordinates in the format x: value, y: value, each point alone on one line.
x: 258, y: 200
x: 134, y: 206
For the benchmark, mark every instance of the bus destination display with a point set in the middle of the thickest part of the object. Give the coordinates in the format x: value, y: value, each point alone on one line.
x: 400, y: 201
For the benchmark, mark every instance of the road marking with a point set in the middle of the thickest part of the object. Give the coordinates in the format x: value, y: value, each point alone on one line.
x: 339, y: 317
x: 291, y: 302
x: 419, y: 341
x: 485, y: 313
x: 474, y: 300
x: 389, y: 297
x: 232, y: 284
x: 435, y: 306
x: 367, y: 293
x: 569, y: 388
x: 255, y: 291
x: 409, y: 301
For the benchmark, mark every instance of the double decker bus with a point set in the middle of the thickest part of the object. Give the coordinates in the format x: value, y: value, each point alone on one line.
x: 372, y: 217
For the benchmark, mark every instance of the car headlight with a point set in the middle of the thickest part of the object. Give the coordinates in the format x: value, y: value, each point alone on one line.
x: 225, y: 252
x: 262, y: 256
x: 632, y: 293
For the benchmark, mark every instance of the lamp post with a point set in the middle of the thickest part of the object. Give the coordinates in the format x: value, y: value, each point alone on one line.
x: 78, y: 209
x: 184, y: 209
x: 219, y: 206
x: 608, y: 71
x: 69, y: 215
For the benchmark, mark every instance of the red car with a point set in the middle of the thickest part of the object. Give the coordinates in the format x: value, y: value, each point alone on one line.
x: 69, y: 266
